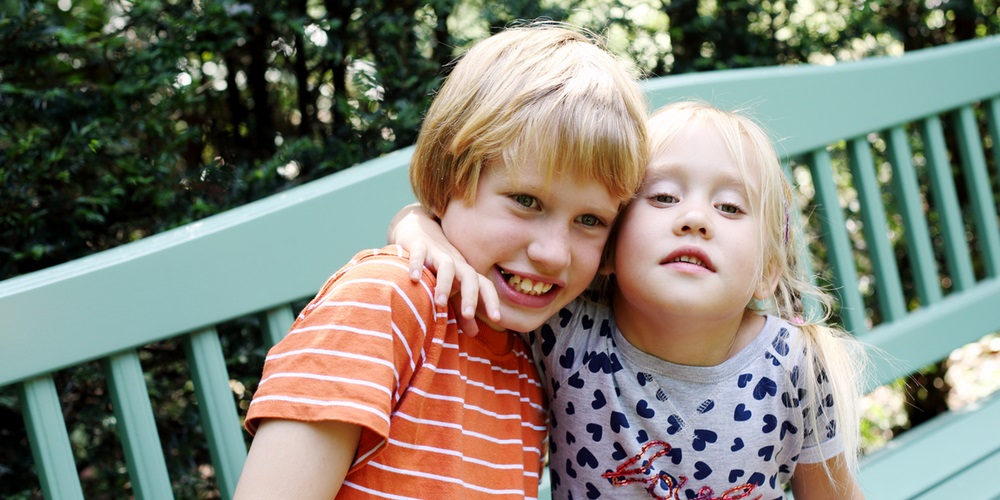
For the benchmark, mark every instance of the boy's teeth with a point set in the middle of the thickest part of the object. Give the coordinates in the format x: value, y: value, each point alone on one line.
x: 526, y: 286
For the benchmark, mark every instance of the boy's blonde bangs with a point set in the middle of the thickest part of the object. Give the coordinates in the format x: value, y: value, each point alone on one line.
x: 539, y: 93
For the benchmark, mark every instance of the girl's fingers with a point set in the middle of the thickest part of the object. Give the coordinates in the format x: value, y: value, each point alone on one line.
x: 470, y: 288
x: 489, y: 299
x: 445, y: 276
x: 418, y: 254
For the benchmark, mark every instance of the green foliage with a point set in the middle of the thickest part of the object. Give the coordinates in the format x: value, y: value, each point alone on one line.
x: 122, y: 119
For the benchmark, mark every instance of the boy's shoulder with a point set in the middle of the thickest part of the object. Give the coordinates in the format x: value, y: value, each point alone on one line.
x: 385, y: 268
x: 390, y: 263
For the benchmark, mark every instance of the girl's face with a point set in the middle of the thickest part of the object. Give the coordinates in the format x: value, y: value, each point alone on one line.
x: 539, y: 240
x: 688, y: 243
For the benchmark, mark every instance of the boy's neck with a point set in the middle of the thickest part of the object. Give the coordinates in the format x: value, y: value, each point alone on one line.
x: 689, y: 341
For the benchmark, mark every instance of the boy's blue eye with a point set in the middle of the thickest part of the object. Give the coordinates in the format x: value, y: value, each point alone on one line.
x: 590, y: 220
x: 524, y: 200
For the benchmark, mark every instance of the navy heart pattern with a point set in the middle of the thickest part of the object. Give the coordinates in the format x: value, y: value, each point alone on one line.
x: 599, y: 400
x: 596, y: 431
x: 702, y: 438
x: 642, y: 437
x: 564, y: 316
x: 702, y: 470
x: 765, y: 387
x: 780, y: 342
x: 706, y: 406
x: 566, y: 360
x: 674, y: 424
x: 599, y: 362
x: 661, y: 396
x: 585, y: 458
x: 770, y: 423
x: 741, y: 413
x: 735, y: 475
x: 548, y: 338
x: 618, y: 421
x: 737, y: 445
x: 643, y: 410
x: 619, y: 453
x: 788, y: 428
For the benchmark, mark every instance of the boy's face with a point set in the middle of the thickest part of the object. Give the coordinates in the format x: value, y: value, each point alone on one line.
x: 538, y: 241
x: 689, y: 244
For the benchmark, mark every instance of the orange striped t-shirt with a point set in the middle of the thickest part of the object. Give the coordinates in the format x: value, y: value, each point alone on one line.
x: 443, y: 415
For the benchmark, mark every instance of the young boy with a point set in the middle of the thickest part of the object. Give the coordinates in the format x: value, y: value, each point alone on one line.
x: 525, y: 157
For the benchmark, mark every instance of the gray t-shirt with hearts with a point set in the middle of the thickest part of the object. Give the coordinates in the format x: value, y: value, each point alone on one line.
x: 625, y: 424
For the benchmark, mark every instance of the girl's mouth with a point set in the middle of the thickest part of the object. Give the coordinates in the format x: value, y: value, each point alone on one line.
x: 689, y: 259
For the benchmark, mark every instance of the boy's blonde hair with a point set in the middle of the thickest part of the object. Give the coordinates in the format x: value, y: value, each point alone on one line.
x: 541, y: 92
x: 837, y: 356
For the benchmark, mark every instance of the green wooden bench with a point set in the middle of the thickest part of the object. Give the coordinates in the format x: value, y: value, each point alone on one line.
x: 928, y: 115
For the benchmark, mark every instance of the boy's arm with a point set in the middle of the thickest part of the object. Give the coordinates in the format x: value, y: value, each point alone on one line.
x: 419, y: 233
x: 292, y: 459
x: 811, y: 481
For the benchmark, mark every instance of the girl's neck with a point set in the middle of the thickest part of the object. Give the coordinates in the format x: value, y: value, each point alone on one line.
x: 685, y: 340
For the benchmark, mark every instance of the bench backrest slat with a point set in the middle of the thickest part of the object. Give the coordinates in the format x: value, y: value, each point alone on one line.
x: 43, y: 418
x: 979, y: 187
x: 888, y: 289
x: 136, y: 426
x: 945, y: 200
x: 276, y: 323
x: 906, y: 191
x: 215, y: 405
x: 835, y: 235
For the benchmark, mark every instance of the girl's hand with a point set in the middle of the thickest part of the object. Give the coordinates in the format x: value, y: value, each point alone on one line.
x: 414, y: 229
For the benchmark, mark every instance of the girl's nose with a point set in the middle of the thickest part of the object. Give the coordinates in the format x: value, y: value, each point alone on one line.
x: 694, y: 221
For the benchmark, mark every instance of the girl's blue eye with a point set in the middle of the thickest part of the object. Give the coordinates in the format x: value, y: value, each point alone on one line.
x: 729, y: 208
x: 665, y: 198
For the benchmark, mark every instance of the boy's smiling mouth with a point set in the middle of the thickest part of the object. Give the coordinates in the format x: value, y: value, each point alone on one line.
x: 525, y: 285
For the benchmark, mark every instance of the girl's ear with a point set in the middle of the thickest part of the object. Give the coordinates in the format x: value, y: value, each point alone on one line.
x: 766, y: 286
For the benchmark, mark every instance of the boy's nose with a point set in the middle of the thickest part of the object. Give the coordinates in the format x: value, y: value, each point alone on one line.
x: 550, y: 248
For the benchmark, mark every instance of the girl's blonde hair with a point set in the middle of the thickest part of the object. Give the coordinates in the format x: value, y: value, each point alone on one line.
x: 542, y: 92
x: 837, y: 357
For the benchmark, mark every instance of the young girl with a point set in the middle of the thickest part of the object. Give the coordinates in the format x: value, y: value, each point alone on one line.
x: 700, y: 375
